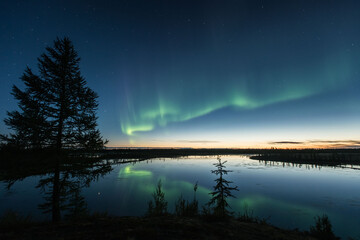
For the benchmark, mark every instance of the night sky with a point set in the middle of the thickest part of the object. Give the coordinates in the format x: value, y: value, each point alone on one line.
x: 201, y: 73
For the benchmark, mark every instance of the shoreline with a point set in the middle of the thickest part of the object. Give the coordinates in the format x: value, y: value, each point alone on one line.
x: 165, y: 227
x: 44, y: 161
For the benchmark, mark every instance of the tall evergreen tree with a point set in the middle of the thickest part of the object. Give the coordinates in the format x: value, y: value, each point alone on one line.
x: 58, y: 110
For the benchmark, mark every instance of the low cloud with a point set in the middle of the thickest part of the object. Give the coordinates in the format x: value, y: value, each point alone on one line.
x: 197, y: 141
x: 355, y: 142
x: 323, y: 143
x: 286, y: 142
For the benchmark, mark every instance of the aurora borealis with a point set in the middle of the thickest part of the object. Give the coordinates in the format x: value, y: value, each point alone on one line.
x: 202, y: 73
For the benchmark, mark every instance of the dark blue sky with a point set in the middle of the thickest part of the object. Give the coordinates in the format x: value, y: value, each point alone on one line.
x: 202, y: 73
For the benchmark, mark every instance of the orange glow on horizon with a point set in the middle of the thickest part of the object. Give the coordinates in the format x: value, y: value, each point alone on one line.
x: 240, y: 145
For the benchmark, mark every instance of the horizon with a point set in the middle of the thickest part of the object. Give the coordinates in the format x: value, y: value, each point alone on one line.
x: 232, y: 148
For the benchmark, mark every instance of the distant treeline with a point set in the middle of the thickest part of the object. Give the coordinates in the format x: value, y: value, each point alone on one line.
x: 346, y: 154
x: 318, y: 157
x: 13, y: 158
x: 141, y: 153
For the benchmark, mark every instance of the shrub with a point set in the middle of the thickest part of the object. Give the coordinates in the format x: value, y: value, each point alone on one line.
x: 322, y: 228
x: 159, y: 206
x: 185, y: 208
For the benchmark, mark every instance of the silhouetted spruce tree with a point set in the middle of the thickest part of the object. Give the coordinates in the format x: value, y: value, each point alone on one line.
x: 222, y: 191
x: 58, y: 110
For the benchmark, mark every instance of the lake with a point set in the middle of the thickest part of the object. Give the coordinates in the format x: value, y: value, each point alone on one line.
x: 287, y: 195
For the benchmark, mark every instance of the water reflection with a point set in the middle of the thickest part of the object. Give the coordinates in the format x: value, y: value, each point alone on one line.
x: 290, y: 194
x: 62, y: 183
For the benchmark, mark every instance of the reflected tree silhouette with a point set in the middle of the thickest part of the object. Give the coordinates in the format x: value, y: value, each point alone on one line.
x: 62, y: 185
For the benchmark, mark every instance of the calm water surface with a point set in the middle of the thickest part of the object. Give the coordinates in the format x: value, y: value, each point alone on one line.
x: 288, y: 196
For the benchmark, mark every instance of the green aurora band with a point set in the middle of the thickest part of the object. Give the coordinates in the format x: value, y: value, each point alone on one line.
x: 129, y: 171
x: 180, y: 96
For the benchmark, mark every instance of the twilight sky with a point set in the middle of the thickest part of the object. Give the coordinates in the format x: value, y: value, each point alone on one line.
x: 202, y: 73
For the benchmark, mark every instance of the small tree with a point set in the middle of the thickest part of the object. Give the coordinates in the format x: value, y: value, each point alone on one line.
x: 222, y: 191
x: 323, y: 228
x: 184, y: 208
x: 57, y: 109
x: 159, y: 206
